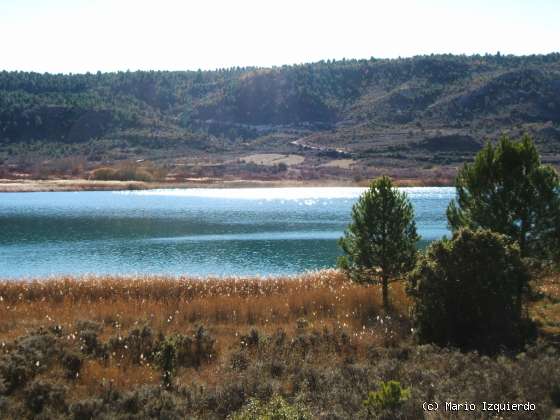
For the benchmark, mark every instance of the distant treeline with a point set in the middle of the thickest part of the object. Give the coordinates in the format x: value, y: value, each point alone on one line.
x: 444, y: 88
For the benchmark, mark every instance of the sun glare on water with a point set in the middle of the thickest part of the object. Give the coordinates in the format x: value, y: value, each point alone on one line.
x: 306, y: 195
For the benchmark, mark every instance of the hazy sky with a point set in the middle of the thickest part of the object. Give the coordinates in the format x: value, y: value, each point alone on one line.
x: 108, y: 35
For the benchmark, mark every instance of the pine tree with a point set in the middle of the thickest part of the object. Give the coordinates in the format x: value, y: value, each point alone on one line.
x: 507, y: 190
x: 380, y: 242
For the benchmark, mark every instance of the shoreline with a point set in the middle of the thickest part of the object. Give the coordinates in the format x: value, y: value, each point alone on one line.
x: 164, y: 277
x: 74, y: 185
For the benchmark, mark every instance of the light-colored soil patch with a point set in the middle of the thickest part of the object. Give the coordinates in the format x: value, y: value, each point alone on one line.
x: 340, y: 163
x: 271, y: 159
x: 29, y: 185
x: 89, y: 185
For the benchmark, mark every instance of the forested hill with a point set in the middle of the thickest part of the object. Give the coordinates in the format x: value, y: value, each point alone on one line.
x: 426, y: 110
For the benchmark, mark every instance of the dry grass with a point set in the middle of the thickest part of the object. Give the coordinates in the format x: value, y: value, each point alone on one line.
x: 167, y: 303
x: 546, y: 310
x: 29, y: 185
x: 227, y: 305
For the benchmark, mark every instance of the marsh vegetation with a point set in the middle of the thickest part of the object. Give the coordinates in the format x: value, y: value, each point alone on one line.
x: 154, y: 347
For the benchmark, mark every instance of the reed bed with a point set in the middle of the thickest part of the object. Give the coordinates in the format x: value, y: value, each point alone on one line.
x: 228, y: 308
x: 175, y: 303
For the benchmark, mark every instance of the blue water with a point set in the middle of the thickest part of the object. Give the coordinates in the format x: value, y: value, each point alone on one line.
x: 262, y: 231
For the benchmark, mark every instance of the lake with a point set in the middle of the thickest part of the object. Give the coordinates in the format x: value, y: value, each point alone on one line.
x: 252, y: 231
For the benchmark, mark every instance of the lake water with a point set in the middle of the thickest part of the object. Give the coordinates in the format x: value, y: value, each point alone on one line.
x: 261, y: 231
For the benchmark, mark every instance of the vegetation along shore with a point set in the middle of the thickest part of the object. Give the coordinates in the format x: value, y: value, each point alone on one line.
x: 314, y: 344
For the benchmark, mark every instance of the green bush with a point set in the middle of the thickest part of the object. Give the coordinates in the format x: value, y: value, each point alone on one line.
x: 41, y: 393
x: 275, y: 409
x: 183, y: 351
x: 32, y: 355
x: 468, y: 292
x: 166, y: 357
x: 389, y: 396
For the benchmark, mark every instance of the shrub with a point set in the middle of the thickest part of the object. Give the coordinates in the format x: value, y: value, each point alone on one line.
x: 239, y: 360
x: 85, y: 324
x: 389, y: 396
x: 86, y: 409
x: 380, y: 242
x: 277, y: 368
x: 90, y: 342
x: 138, y: 346
x: 103, y: 174
x: 252, y: 339
x: 182, y: 351
x: 88, y: 335
x: 275, y: 409
x: 152, y: 402
x: 282, y: 167
x: 302, y: 324
x: 72, y: 363
x: 166, y: 358
x: 468, y: 292
x: 41, y: 393
x: 15, y: 370
x: 30, y: 356
x: 131, y: 173
x: 146, y: 172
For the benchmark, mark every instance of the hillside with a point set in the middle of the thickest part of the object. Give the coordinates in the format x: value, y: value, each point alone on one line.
x: 352, y: 119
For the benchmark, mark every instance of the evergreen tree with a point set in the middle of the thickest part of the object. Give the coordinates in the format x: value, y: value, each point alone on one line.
x: 507, y: 189
x: 380, y: 242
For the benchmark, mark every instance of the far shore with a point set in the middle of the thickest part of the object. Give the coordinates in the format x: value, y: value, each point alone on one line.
x: 29, y: 185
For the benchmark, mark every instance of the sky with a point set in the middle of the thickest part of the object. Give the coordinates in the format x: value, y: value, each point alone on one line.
x: 77, y: 36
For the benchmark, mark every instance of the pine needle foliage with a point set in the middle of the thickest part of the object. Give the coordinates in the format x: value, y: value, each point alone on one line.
x: 507, y: 190
x: 380, y: 242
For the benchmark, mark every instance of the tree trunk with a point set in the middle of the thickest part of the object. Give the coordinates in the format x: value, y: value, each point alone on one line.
x: 523, y: 236
x: 385, y: 291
